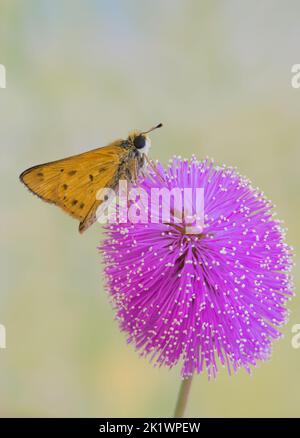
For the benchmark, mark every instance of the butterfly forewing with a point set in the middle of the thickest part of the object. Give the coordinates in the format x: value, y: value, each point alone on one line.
x: 73, y: 183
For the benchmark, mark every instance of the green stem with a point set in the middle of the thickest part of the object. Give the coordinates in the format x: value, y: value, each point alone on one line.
x: 183, y: 397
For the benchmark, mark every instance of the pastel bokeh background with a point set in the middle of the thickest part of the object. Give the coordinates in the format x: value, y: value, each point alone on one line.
x: 80, y: 74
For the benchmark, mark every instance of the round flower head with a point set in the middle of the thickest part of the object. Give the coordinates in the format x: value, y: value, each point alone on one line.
x: 216, y: 295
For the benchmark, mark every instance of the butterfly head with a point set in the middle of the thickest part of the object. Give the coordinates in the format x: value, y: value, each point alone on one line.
x: 141, y: 141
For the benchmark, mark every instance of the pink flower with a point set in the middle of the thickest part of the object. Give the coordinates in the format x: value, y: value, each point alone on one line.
x: 216, y: 296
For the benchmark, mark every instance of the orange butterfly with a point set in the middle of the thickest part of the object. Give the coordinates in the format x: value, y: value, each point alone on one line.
x: 72, y: 183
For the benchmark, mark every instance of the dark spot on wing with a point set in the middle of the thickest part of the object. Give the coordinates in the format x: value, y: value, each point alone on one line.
x: 65, y: 186
x: 74, y: 202
x: 101, y: 169
x: 81, y: 205
x: 72, y: 172
x: 91, y: 177
x: 40, y: 174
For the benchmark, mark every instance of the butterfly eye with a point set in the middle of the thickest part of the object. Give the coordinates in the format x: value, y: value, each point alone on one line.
x: 139, y: 142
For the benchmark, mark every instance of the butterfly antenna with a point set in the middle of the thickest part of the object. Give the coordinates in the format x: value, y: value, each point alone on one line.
x: 152, y: 129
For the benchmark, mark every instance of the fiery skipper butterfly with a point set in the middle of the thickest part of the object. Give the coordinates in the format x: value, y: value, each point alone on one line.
x: 72, y: 183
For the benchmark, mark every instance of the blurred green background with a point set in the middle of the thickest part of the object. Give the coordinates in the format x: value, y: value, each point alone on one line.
x: 83, y: 73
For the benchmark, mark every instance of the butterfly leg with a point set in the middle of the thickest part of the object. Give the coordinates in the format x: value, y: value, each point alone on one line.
x: 153, y: 167
x: 135, y: 172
